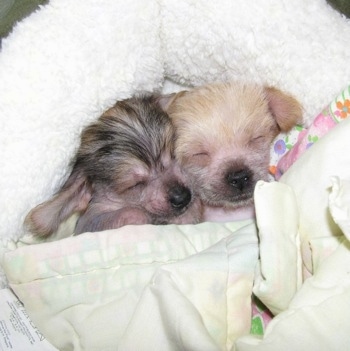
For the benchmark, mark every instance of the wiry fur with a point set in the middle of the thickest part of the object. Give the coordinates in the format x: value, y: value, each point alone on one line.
x: 124, y: 173
x: 224, y: 134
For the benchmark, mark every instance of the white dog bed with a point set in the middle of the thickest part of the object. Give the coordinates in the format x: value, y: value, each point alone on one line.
x: 70, y: 60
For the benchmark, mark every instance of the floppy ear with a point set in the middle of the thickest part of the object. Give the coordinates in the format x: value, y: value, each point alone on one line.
x: 286, y: 110
x: 73, y: 197
x: 165, y: 101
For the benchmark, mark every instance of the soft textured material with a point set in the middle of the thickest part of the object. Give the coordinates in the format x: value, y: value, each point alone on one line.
x: 12, y: 11
x: 63, y: 65
x: 140, y: 287
x: 70, y: 60
x: 59, y: 69
x: 317, y: 317
x: 326, y: 158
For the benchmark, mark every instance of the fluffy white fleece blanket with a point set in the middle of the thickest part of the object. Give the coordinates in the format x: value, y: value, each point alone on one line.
x: 66, y: 63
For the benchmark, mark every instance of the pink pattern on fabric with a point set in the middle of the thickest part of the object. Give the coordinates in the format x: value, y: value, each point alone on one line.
x: 261, y: 317
x: 288, y: 148
x: 321, y: 125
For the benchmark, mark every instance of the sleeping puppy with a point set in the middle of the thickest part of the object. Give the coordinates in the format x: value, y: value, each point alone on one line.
x: 224, y: 134
x: 124, y: 173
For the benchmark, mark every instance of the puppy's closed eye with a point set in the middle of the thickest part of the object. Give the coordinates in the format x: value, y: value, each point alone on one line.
x: 132, y: 181
x: 201, y: 158
x: 255, y: 140
x: 139, y: 184
x: 201, y: 154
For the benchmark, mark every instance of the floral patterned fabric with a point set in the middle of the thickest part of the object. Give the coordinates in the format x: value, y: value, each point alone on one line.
x: 261, y: 317
x: 287, y: 148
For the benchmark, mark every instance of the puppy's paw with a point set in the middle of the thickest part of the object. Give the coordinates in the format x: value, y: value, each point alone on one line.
x: 96, y: 222
x: 127, y: 216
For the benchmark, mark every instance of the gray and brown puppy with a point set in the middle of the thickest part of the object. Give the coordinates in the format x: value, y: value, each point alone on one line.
x: 224, y: 134
x: 124, y: 173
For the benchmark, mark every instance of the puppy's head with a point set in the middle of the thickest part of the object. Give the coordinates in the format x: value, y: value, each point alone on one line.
x: 124, y: 173
x: 224, y: 133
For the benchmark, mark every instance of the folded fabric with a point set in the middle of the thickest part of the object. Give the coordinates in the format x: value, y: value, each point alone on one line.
x: 140, y: 287
x: 277, y: 219
x: 339, y: 203
x: 317, y: 317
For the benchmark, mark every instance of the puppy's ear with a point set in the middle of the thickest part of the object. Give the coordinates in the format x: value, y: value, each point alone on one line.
x: 286, y: 110
x: 73, y: 197
x: 165, y: 101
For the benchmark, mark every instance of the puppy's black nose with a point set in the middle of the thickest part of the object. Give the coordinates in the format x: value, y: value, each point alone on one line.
x: 179, y: 197
x: 239, y: 179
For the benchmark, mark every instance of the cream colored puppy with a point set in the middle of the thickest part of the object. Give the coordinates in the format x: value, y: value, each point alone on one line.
x: 224, y: 133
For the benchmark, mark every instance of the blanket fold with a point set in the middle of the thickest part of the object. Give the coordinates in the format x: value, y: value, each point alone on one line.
x: 145, y: 284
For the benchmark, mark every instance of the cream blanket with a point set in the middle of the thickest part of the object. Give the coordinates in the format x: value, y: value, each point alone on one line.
x: 140, y: 288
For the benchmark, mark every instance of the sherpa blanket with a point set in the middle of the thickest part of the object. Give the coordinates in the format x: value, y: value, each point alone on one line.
x: 66, y: 63
x: 70, y: 60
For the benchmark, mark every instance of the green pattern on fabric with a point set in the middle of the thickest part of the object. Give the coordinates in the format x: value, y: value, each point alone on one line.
x: 257, y: 327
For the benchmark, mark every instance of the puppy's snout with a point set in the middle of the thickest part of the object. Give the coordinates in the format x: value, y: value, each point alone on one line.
x: 239, y: 179
x: 179, y: 197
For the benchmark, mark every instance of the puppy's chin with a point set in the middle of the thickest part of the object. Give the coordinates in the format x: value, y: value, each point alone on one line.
x: 223, y: 214
x: 230, y: 203
x: 192, y: 214
x: 227, y: 206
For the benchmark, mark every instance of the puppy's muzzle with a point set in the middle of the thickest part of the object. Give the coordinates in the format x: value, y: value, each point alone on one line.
x: 240, y: 179
x: 179, y: 197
